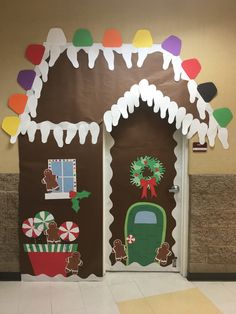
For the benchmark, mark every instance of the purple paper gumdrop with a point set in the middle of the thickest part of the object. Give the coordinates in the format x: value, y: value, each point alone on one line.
x: 172, y: 44
x: 26, y: 78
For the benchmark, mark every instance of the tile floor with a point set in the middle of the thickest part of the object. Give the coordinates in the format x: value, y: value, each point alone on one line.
x: 102, y: 297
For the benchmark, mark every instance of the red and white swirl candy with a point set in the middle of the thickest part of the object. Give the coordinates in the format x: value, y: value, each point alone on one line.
x: 69, y: 231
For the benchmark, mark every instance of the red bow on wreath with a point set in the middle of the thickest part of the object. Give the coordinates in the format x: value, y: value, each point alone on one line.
x: 151, y: 183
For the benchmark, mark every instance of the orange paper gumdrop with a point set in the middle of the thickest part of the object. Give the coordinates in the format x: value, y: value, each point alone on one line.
x: 17, y: 103
x: 112, y: 38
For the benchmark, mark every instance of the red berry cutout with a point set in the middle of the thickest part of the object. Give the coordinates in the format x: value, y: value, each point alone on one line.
x: 72, y: 194
x: 156, y: 169
x: 136, y: 174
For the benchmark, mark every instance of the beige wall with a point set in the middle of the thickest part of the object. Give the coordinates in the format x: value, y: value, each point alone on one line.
x: 206, y: 27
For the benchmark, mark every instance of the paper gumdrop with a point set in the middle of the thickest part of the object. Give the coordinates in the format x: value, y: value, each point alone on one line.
x: 34, y: 53
x: 82, y: 38
x: 207, y: 90
x: 112, y: 38
x: 56, y: 36
x: 172, y: 44
x: 143, y: 39
x: 17, y: 103
x: 10, y: 125
x: 192, y: 67
x: 26, y: 78
x: 223, y: 116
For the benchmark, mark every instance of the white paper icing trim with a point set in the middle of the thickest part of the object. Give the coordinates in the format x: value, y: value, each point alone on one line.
x: 56, y: 44
x: 161, y: 103
x: 81, y: 128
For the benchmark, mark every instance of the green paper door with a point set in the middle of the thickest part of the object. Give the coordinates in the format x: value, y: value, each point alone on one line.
x: 145, y: 230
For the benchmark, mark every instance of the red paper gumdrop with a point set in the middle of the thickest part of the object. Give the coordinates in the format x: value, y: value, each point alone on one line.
x: 34, y: 53
x: 192, y: 67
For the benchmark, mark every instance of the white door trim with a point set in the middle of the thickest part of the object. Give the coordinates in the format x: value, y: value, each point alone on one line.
x: 184, y: 210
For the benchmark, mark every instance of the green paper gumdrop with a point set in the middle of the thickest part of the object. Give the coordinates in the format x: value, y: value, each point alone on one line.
x: 82, y: 38
x: 223, y: 116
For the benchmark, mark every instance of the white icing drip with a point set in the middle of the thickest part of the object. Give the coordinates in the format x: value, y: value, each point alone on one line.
x: 71, y: 132
x: 72, y: 56
x: 150, y: 96
x: 143, y: 89
x: 212, y: 130
x: 83, y: 129
x: 123, y: 106
x: 43, y: 68
x: 195, y: 125
x: 134, y: 90
x: 58, y: 135
x: 186, y: 123
x: 201, y: 107
x: 31, y: 130
x: 25, y: 122
x: 130, y: 101
x: 157, y: 100
x: 32, y: 104
x: 94, y: 130
x: 192, y: 88
x: 202, y: 132
x: 55, y: 52
x: 179, y: 117
x: 93, y: 53
x: 176, y: 61
x: 127, y: 55
x: 172, y: 111
x: 167, y: 57
x: 45, y: 128
x: 37, y: 86
x: 142, y: 55
x: 223, y: 137
x: 109, y: 56
x: 163, y: 106
x: 115, y: 112
x: 107, y: 118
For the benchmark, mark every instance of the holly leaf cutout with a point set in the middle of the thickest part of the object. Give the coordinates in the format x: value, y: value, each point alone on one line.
x: 83, y: 194
x: 75, y: 205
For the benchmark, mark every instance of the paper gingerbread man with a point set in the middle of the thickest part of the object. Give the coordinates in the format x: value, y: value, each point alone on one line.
x: 73, y: 263
x: 50, y: 180
x: 52, y: 233
x: 162, y: 253
x: 119, y: 250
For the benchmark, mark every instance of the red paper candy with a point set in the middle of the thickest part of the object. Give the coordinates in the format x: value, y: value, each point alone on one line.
x: 192, y: 67
x: 34, y: 53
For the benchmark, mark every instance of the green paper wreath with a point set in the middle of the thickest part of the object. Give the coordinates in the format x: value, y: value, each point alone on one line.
x: 146, y: 182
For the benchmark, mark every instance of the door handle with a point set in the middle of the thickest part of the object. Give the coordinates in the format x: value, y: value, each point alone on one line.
x: 174, y: 189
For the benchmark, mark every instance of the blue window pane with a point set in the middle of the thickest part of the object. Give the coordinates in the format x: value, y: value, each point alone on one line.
x: 56, y: 168
x: 68, y: 168
x: 145, y: 217
x: 59, y: 181
x: 68, y: 184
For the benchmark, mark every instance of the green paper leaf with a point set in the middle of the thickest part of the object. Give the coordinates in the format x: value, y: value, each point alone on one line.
x: 75, y: 205
x: 83, y: 194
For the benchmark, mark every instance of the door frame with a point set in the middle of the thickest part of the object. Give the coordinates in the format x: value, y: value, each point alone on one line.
x: 108, y: 142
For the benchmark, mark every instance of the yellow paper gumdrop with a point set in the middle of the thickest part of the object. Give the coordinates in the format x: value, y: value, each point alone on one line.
x: 143, y: 39
x: 10, y: 125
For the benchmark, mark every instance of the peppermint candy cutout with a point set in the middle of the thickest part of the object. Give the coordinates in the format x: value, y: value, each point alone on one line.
x: 69, y: 231
x: 29, y: 228
x: 42, y: 219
